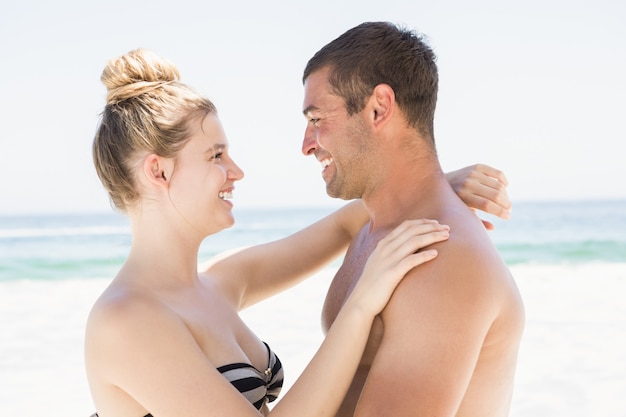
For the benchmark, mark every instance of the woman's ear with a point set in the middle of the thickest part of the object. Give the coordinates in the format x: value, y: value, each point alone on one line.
x: 156, y: 170
x: 382, y: 104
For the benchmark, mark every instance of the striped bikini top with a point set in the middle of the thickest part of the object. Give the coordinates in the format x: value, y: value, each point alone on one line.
x: 258, y: 387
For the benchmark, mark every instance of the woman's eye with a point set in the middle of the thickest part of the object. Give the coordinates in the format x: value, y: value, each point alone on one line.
x: 218, y: 156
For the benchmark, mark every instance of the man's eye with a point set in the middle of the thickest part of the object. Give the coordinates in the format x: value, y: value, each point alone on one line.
x: 314, y: 121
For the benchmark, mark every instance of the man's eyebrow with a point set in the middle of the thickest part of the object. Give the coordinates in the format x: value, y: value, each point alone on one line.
x: 309, y: 109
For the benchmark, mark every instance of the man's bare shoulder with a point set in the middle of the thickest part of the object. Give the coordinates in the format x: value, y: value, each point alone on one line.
x: 448, y: 321
x: 468, y: 271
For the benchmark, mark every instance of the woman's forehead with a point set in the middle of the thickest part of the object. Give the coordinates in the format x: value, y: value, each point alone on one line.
x: 208, y: 132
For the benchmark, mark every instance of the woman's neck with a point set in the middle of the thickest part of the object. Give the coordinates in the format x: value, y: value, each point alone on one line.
x: 163, y: 250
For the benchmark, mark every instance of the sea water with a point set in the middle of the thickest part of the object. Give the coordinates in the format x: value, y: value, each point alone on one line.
x: 51, y: 247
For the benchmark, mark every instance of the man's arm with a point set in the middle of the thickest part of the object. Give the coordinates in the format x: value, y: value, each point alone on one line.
x: 434, y: 327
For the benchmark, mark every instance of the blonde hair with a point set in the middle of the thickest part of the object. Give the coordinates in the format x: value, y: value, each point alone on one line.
x: 148, y: 110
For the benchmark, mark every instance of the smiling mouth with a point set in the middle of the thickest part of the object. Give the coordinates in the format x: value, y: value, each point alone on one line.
x: 225, y: 195
x: 326, y: 162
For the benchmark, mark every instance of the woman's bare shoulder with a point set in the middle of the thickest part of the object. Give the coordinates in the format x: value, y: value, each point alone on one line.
x: 125, y: 314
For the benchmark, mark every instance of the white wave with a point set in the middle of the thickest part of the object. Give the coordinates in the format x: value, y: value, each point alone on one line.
x: 63, y: 232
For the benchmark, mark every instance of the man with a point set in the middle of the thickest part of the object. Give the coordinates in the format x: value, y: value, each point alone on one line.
x: 447, y: 342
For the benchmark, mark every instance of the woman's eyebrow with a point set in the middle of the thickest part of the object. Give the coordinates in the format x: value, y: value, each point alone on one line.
x: 216, y: 147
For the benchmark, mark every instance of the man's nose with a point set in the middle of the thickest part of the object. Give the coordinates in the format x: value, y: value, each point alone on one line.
x: 309, y: 143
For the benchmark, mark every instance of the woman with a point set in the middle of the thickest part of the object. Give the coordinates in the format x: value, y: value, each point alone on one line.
x: 166, y: 340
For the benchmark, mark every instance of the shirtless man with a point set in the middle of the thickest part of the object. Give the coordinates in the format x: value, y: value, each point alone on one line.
x: 447, y: 342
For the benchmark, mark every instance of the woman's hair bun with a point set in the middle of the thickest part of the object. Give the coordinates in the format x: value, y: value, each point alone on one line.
x: 136, y: 73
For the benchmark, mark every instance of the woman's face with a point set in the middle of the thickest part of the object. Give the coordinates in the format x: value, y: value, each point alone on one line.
x: 202, y: 182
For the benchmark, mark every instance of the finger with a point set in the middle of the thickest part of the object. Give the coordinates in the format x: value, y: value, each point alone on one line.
x: 410, y: 230
x: 493, y: 173
x: 489, y: 183
x: 410, y: 226
x: 413, y: 261
x: 410, y: 243
x: 488, y: 225
x: 419, y: 242
x: 492, y: 183
x: 494, y: 190
x: 499, y: 194
x: 491, y: 207
x: 490, y: 200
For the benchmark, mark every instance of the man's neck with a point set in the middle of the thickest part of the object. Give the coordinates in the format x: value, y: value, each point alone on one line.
x: 409, y: 189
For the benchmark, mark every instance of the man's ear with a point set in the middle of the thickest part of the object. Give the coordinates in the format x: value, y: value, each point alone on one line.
x: 382, y: 103
x: 157, y: 170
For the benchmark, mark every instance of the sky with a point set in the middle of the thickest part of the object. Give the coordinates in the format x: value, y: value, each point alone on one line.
x: 535, y: 88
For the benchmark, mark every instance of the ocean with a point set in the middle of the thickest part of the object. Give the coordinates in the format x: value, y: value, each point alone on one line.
x: 568, y: 258
x: 53, y: 247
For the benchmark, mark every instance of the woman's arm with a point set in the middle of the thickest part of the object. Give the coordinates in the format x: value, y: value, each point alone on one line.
x: 252, y: 274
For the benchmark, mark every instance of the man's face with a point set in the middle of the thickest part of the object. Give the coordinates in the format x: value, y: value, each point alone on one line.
x: 338, y: 141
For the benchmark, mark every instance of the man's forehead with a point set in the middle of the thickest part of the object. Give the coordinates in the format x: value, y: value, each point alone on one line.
x: 318, y: 93
x: 317, y: 78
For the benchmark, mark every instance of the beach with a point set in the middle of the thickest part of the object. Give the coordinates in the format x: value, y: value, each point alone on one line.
x: 569, y: 261
x: 572, y: 359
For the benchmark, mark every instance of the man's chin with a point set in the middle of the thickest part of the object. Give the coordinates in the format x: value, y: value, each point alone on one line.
x: 334, y: 193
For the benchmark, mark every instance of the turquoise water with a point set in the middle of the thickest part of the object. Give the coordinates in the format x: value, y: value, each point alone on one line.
x: 47, y: 247
x: 564, y: 232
